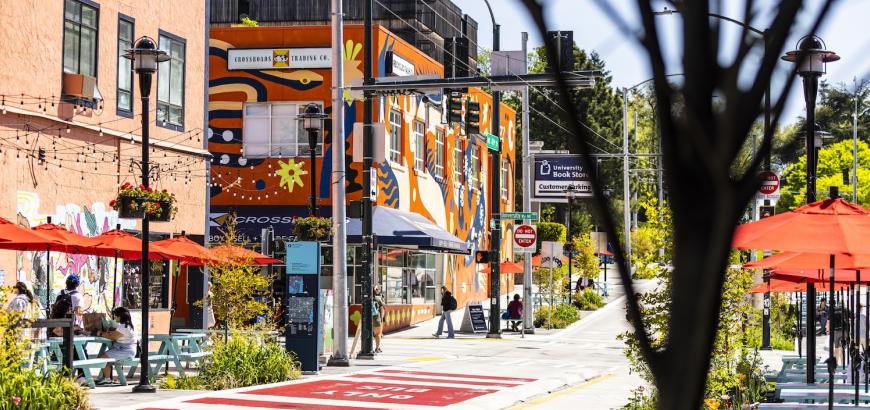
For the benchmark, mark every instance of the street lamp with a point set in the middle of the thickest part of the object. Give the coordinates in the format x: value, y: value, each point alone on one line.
x: 812, y: 58
x: 146, y: 59
x: 570, y: 240
x: 312, y: 122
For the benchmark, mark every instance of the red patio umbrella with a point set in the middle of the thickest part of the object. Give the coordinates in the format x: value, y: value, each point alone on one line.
x: 184, y: 250
x: 232, y: 252
x: 832, y: 226
x: 507, y: 267
x: 15, y: 237
x: 62, y: 240
x: 801, y: 260
x: 604, y: 253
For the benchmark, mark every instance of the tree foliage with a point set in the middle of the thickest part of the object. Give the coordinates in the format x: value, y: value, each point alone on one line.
x: 834, y: 161
x: 238, y: 288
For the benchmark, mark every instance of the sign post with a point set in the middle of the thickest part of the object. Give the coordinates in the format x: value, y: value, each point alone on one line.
x: 491, y: 142
x: 551, y: 258
x: 525, y: 238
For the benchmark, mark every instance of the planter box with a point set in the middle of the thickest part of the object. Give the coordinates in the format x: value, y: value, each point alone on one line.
x: 131, y: 208
x: 165, y: 212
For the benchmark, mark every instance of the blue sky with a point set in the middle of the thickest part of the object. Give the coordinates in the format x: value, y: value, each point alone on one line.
x: 844, y: 32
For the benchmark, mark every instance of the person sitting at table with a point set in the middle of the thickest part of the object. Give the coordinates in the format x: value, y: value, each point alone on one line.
x: 123, y: 342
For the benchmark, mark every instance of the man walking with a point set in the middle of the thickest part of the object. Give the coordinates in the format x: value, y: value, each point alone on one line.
x: 448, y: 305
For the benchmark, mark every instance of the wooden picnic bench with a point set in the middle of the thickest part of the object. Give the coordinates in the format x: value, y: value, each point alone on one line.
x: 86, y: 365
x: 820, y: 395
x: 807, y: 406
x: 175, y: 348
x: 155, y: 363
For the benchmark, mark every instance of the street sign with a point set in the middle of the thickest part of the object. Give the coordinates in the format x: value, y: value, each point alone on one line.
x: 769, y: 185
x: 525, y: 238
x: 491, y: 141
x: 556, y: 175
x: 518, y: 215
x: 551, y: 254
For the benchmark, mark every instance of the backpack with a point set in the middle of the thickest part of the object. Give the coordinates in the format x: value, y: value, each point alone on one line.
x: 62, y: 305
x: 451, y: 302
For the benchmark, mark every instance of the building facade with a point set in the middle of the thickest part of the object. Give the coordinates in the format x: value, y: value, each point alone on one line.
x: 70, y: 131
x: 432, y: 175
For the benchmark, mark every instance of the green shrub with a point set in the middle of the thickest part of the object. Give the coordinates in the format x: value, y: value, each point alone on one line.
x: 563, y: 316
x: 244, y: 359
x: 551, y: 231
x: 181, y: 383
x: 588, y: 299
x: 34, y: 391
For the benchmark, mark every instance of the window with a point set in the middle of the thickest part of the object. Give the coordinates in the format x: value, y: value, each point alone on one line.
x: 273, y: 130
x: 170, y: 83
x: 395, y: 136
x: 505, y: 167
x: 419, y: 146
x: 457, y: 165
x: 475, y: 165
x: 80, y: 25
x: 124, y: 92
x: 439, y: 153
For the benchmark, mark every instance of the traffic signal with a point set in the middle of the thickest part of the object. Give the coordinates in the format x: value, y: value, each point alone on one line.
x: 454, y: 108
x: 481, y: 257
x: 472, y: 119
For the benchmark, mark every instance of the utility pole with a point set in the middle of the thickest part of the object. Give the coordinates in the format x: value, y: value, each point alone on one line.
x: 339, y: 240
x: 495, y: 204
x: 528, y: 168
x: 634, y: 194
x: 366, y: 351
x: 626, y: 191
x: 855, y: 144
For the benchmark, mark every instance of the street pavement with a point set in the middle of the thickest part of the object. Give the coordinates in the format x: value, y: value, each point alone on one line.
x: 583, y: 364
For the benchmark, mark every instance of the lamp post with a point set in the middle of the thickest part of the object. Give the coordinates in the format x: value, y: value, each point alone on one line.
x: 570, y: 242
x: 312, y: 123
x: 145, y: 58
x: 495, y: 202
x: 812, y: 58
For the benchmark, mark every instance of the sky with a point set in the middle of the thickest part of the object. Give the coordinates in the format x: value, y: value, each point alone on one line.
x: 844, y: 32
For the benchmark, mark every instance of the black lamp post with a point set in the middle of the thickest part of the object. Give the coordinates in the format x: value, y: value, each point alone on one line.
x: 146, y: 59
x: 312, y: 122
x: 811, y: 58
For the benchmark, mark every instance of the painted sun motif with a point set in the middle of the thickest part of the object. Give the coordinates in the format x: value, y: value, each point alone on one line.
x: 352, y: 71
x: 291, y: 174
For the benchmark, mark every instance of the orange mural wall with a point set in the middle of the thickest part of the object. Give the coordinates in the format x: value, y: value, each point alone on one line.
x: 444, y: 187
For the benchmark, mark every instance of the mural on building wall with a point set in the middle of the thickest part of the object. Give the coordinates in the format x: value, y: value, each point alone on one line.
x: 249, y: 183
x: 96, y: 273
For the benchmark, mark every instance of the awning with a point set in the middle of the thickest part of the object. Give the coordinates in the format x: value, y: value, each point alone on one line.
x: 406, y: 229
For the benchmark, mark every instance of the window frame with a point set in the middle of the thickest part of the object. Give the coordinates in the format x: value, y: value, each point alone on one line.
x: 300, y: 105
x: 120, y: 111
x: 166, y: 65
x: 458, y: 165
x: 96, y: 28
x: 505, y: 172
x: 475, y: 165
x: 419, y: 133
x: 395, y: 153
x: 440, y: 153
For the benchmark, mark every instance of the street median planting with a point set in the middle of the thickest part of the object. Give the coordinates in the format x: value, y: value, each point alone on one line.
x: 563, y: 315
x: 588, y: 299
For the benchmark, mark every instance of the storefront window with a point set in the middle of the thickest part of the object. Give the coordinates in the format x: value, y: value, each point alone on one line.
x: 133, y: 285
x: 407, y: 276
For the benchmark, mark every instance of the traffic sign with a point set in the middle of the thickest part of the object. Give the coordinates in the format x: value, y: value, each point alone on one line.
x: 491, y: 141
x: 769, y: 183
x: 518, y: 215
x: 525, y: 238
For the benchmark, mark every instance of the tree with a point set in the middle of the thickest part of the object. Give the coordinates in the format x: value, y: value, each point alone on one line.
x: 834, y: 163
x: 701, y: 139
x: 238, y: 288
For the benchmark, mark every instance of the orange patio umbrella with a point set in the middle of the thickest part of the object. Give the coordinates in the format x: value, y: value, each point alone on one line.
x: 507, y: 267
x: 232, y: 252
x: 183, y: 249
x: 63, y: 240
x: 801, y: 260
x: 19, y: 238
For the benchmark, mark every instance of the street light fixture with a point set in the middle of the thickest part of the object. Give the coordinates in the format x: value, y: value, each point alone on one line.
x: 312, y: 122
x: 812, y: 59
x: 146, y: 59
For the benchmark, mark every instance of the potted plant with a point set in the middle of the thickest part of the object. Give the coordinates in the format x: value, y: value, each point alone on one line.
x: 130, y: 202
x: 312, y: 228
x: 163, y: 206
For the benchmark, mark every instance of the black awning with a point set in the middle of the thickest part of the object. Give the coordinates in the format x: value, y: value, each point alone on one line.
x: 398, y: 228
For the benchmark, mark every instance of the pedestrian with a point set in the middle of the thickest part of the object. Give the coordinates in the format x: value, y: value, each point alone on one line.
x: 378, y: 316
x: 823, y: 317
x: 448, y: 305
x: 515, y: 312
x: 29, y: 308
x: 69, y: 302
x: 123, y: 338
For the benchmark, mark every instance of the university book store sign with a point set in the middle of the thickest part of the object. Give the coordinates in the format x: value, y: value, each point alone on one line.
x: 278, y: 58
x: 558, y: 174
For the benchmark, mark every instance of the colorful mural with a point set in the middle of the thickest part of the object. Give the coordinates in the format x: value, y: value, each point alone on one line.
x: 96, y: 273
x: 459, y: 206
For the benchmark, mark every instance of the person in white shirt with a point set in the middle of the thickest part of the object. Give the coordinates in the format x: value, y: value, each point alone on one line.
x: 28, y: 305
x: 123, y: 338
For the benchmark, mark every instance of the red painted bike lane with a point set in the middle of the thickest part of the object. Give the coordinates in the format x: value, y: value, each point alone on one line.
x: 383, y: 389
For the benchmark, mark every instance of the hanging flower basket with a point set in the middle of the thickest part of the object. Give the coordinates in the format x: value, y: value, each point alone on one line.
x: 135, y: 202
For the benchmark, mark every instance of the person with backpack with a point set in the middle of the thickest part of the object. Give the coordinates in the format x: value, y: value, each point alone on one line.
x: 69, y: 302
x: 378, y: 317
x: 448, y: 305
x: 124, y: 339
x: 29, y: 306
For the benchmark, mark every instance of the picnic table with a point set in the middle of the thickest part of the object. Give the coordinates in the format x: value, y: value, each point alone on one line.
x: 820, y: 394
x: 808, y: 406
x: 84, y: 363
x: 181, y: 347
